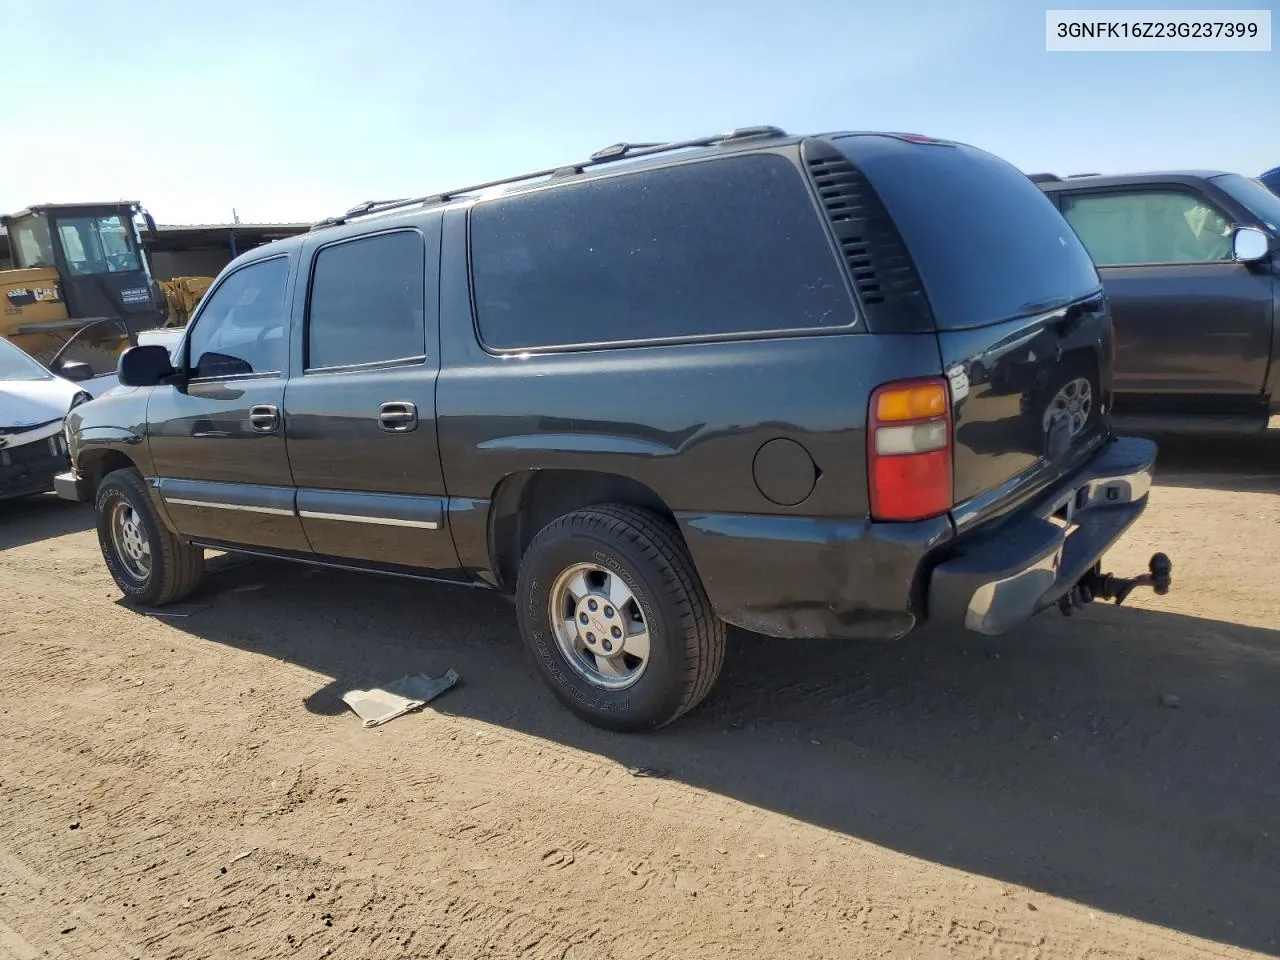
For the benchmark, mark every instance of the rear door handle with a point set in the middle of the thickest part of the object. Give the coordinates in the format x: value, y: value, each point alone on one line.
x: 397, y: 416
x: 264, y: 418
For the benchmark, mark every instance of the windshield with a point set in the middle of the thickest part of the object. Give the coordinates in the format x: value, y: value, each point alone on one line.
x: 1262, y: 203
x: 30, y: 241
x: 97, y: 245
x: 16, y: 365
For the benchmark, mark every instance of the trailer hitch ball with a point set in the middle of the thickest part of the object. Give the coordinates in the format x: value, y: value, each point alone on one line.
x: 1104, y: 586
x: 1161, y: 569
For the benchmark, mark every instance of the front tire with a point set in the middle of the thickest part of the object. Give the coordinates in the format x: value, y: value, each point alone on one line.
x: 149, y: 564
x: 618, y: 622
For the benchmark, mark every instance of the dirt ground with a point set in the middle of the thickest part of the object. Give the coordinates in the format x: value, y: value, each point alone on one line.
x: 1096, y: 788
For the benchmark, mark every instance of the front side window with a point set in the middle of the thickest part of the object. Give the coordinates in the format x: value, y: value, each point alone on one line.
x: 366, y: 302
x: 729, y: 246
x: 31, y: 243
x: 97, y: 245
x: 1149, y: 226
x: 241, y: 329
x: 1254, y: 196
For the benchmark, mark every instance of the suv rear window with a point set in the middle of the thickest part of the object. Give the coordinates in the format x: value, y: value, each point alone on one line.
x: 721, y: 247
x: 987, y: 242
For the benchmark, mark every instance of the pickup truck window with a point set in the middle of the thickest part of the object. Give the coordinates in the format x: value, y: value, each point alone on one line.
x: 722, y: 247
x: 1254, y: 196
x: 1148, y: 226
x: 366, y: 302
x: 240, y: 331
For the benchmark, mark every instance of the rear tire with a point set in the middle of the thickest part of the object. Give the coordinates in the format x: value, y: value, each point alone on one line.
x: 617, y: 574
x: 149, y: 564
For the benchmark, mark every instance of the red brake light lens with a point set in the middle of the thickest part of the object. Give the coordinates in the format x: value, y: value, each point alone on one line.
x: 909, y: 450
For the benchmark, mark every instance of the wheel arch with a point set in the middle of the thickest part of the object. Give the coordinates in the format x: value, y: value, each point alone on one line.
x: 94, y: 464
x: 525, y: 502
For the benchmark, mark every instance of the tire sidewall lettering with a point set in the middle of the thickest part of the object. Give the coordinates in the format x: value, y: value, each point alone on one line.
x: 634, y: 585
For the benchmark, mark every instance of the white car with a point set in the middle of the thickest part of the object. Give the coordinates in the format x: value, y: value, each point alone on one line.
x: 96, y: 370
x: 33, y: 404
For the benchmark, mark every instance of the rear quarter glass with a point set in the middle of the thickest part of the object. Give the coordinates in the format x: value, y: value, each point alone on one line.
x: 988, y: 244
x: 724, y: 247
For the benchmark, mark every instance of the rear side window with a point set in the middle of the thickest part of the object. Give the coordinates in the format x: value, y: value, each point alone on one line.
x: 987, y: 242
x: 366, y: 302
x: 723, y: 247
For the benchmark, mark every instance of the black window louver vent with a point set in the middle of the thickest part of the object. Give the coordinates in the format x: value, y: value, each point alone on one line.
x: 879, y: 265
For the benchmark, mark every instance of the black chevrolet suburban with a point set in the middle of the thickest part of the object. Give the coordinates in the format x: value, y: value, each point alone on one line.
x: 825, y: 386
x: 1190, y: 261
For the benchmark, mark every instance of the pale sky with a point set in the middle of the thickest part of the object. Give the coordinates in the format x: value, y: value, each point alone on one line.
x: 287, y: 110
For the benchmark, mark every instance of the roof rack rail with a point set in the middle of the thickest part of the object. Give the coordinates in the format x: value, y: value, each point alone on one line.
x: 608, y: 154
x: 1074, y: 176
x: 1044, y: 178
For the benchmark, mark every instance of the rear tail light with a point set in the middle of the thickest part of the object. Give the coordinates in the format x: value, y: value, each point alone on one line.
x: 909, y: 450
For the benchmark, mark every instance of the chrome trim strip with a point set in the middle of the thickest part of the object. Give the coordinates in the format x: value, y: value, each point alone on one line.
x: 214, y: 505
x: 312, y: 560
x: 383, y: 521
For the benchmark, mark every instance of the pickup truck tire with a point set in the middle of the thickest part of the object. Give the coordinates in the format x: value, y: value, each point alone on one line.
x: 579, y: 566
x: 149, y: 564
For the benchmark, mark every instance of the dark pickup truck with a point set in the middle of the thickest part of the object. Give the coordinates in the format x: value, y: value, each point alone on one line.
x: 671, y: 387
x: 1191, y: 264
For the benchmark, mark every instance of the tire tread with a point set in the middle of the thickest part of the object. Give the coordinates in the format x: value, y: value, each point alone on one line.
x: 180, y: 565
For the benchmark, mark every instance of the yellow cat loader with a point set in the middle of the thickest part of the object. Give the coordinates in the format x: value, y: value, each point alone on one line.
x: 81, y: 287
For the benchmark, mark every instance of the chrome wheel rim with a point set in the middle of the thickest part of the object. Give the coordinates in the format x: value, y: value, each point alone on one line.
x: 129, y: 540
x: 599, y: 627
x: 1075, y: 402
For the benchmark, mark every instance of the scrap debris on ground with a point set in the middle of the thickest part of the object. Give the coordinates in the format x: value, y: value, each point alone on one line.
x: 413, y: 692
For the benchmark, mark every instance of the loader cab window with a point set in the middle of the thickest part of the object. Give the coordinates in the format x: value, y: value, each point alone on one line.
x: 31, y: 243
x: 97, y: 245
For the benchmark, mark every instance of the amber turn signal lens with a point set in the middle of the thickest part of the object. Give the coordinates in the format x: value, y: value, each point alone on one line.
x: 916, y: 402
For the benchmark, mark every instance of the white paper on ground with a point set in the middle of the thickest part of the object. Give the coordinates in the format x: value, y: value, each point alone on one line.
x: 375, y: 707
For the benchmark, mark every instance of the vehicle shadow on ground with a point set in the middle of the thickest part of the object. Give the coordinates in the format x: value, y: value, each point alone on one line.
x: 33, y: 519
x: 1247, y: 463
x: 1124, y: 759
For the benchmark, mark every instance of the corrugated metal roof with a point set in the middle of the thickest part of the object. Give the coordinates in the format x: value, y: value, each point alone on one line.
x: 244, y: 225
x: 296, y: 227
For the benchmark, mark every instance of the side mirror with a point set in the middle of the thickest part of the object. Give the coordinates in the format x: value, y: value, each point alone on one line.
x: 1249, y: 244
x: 144, y: 366
x: 74, y: 370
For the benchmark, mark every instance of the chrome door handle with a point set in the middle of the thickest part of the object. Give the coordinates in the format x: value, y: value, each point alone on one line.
x: 264, y: 418
x: 397, y: 416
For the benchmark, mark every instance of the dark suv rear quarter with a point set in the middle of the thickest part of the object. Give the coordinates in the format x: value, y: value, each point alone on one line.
x: 826, y: 386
